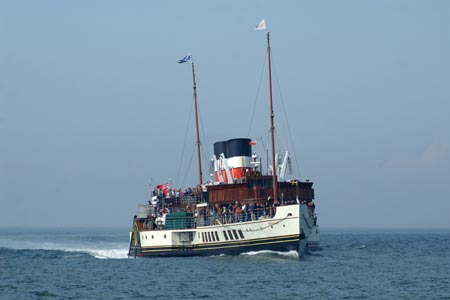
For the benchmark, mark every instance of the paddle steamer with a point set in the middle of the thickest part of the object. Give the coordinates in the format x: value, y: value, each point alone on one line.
x: 240, y: 210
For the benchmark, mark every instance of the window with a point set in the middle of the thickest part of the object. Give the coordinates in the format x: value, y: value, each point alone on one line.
x: 235, y: 234
x: 217, y: 236
x: 241, y: 234
x: 230, y: 235
x: 225, y: 235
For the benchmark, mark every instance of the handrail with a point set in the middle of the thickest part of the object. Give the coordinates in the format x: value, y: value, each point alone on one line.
x: 207, y: 218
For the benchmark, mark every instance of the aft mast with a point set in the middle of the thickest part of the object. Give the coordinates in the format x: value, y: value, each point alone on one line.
x: 196, y: 125
x: 272, y: 126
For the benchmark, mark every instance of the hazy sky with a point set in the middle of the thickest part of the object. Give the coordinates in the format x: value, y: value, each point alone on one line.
x: 94, y: 107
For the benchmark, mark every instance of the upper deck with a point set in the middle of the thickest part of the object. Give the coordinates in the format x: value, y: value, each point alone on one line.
x: 259, y: 188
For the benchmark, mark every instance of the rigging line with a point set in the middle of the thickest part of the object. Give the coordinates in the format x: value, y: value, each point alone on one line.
x: 280, y: 142
x: 205, y: 160
x: 257, y: 94
x: 264, y: 153
x: 205, y: 157
x: 290, y: 140
x: 263, y: 144
x: 189, y: 165
x: 201, y: 130
x: 202, y: 145
x: 203, y: 148
x: 268, y: 158
x: 206, y: 163
x: 180, y: 163
x: 262, y: 141
x: 281, y: 145
x: 203, y: 137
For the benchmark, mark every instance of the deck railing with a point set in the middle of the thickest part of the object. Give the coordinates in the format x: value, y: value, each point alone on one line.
x: 203, y: 217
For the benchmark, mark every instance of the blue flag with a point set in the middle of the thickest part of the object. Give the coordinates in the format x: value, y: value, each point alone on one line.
x: 185, y: 59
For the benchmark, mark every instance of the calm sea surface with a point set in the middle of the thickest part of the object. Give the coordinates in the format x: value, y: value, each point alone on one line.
x: 354, y: 264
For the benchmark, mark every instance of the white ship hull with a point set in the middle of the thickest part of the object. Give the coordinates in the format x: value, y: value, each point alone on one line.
x: 280, y: 233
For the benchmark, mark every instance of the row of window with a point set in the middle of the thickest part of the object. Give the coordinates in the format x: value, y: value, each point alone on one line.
x: 213, y: 236
x: 145, y: 237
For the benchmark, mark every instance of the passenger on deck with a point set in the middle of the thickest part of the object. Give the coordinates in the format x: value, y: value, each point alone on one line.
x: 244, y: 212
x: 224, y: 215
x: 214, y: 215
x: 155, y: 204
x: 237, y: 211
x: 204, y: 216
x: 255, y: 211
x: 231, y: 213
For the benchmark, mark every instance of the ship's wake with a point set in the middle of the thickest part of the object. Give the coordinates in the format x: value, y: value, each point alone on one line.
x: 94, y: 252
x: 269, y: 253
x: 103, y: 253
x: 100, y: 251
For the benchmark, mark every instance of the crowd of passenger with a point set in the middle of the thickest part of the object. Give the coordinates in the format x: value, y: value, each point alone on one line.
x: 171, y: 193
x: 169, y: 200
x: 233, y: 213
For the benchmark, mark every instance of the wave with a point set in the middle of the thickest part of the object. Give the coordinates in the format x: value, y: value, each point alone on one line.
x: 100, y: 251
x: 103, y: 253
x: 122, y: 253
x: 288, y: 254
x: 94, y: 252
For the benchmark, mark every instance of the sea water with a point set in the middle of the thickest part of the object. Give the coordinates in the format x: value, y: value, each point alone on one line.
x: 353, y: 264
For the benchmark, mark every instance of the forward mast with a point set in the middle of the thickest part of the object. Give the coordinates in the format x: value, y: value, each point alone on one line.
x: 272, y: 126
x: 196, y: 126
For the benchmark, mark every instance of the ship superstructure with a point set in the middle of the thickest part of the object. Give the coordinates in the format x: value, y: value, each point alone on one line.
x: 241, y: 209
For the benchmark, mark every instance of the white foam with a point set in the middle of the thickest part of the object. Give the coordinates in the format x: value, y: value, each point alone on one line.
x: 291, y: 254
x: 100, y: 251
x: 103, y: 253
